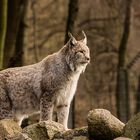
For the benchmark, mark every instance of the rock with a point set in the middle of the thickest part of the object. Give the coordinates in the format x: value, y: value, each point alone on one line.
x: 73, y: 134
x: 40, y: 131
x: 122, y: 138
x: 8, y: 127
x: 132, y: 128
x: 74, y: 138
x: 79, y: 138
x: 19, y: 136
x: 33, y: 118
x: 102, y: 125
x: 50, y: 132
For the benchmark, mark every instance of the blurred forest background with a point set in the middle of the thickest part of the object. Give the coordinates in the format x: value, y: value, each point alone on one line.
x: 32, y: 29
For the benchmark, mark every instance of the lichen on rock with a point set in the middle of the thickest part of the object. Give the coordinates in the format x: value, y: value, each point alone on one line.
x: 43, y: 130
x: 132, y: 128
x: 102, y: 125
x: 73, y: 134
x: 122, y: 138
x: 8, y: 127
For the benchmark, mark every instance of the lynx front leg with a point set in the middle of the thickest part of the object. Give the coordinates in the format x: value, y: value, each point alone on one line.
x: 63, y: 114
x: 46, y: 105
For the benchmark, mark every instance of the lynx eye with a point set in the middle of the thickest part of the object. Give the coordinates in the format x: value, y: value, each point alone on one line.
x: 81, y: 51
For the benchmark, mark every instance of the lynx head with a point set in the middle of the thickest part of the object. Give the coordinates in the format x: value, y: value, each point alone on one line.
x: 78, y: 54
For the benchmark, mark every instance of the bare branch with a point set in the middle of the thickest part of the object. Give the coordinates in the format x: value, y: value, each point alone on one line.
x: 88, y: 21
x: 51, y: 34
x: 133, y: 61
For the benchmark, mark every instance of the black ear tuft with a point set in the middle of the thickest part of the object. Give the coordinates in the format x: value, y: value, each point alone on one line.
x: 72, y: 39
x: 85, y: 37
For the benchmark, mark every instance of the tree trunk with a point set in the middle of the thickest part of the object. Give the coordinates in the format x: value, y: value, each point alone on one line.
x: 14, y: 13
x: 72, y: 16
x: 122, y: 95
x: 3, y: 25
x: 138, y: 97
x: 17, y: 57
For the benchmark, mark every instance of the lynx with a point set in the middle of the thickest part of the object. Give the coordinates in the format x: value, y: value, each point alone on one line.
x: 44, y: 85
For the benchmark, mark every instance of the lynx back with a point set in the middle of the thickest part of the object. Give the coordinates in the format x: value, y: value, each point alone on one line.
x: 42, y: 86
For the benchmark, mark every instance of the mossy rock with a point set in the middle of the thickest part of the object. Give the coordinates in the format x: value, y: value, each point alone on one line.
x: 73, y: 134
x: 19, y: 136
x: 102, y: 125
x: 44, y: 130
x: 122, y: 138
x: 132, y: 128
x: 8, y: 127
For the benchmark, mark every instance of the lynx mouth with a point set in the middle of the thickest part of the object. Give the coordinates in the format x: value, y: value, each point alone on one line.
x: 85, y: 62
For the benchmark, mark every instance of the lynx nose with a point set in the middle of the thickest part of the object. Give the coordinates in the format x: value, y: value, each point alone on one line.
x: 87, y: 58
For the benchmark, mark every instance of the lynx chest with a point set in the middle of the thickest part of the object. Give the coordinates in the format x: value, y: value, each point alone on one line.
x: 66, y: 93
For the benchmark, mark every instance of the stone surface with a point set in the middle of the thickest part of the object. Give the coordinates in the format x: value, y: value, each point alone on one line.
x: 122, y: 138
x: 8, y: 127
x: 102, y: 125
x: 43, y: 130
x: 40, y: 131
x: 19, y: 136
x: 132, y: 128
x: 73, y: 134
x: 80, y: 138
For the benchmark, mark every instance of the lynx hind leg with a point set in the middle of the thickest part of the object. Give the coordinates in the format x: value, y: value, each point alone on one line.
x: 46, y: 107
x: 5, y: 106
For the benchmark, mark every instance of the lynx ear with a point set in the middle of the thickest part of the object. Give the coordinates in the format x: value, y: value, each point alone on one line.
x: 73, y: 41
x: 85, y: 38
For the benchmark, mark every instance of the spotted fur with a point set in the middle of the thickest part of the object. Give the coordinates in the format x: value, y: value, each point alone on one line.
x: 42, y: 86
